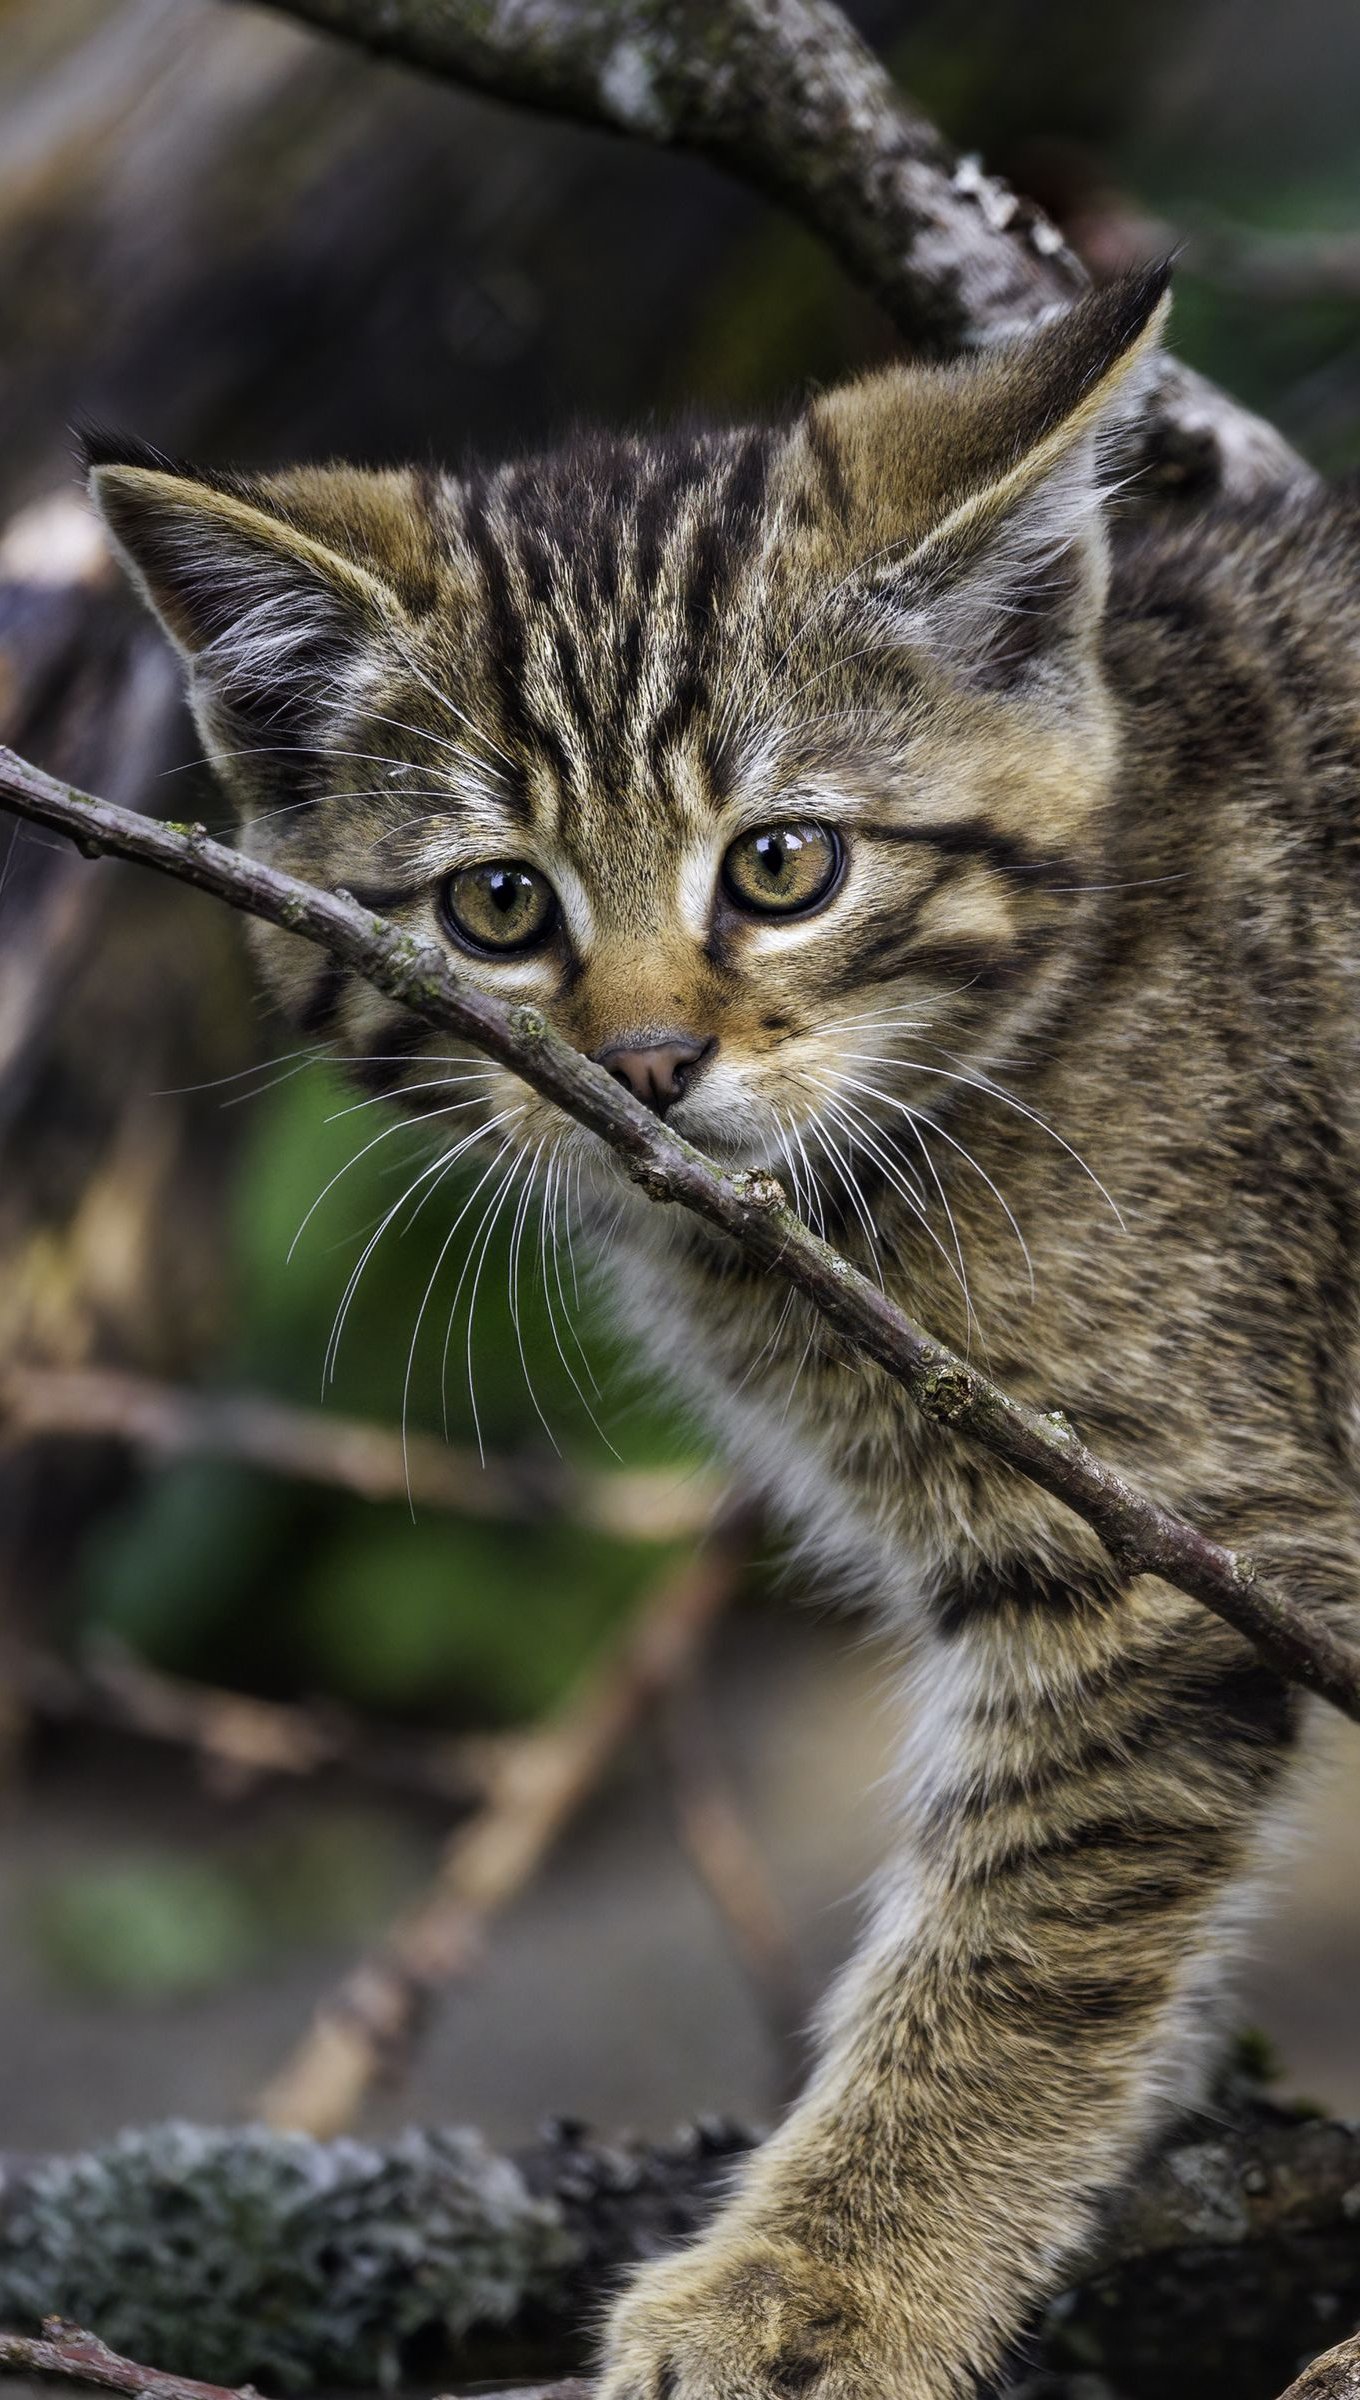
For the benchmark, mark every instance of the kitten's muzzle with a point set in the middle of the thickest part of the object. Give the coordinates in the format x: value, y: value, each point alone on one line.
x: 658, y: 1072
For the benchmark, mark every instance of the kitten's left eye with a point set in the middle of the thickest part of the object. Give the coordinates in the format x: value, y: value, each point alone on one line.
x: 502, y: 906
x: 779, y: 870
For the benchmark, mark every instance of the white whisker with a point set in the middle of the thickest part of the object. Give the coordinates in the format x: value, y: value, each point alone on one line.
x: 483, y: 1239
x: 850, y: 1180
x: 918, y: 1136
x: 294, y: 1060
x: 406, y: 1091
x: 805, y: 624
x: 574, y: 1203
x: 436, y: 693
x: 899, y: 1013
x: 565, y: 1180
x: 547, y: 1227
x: 12, y: 850
x: 895, y: 1170
x: 440, y: 741
x: 782, y: 1139
x: 431, y: 1176
x: 995, y: 1091
x: 398, y: 1125
x: 815, y: 1189
x: 770, y: 1343
x: 438, y: 1168
x: 887, y: 1100
x: 796, y: 1378
x: 444, y: 1249
x: 516, y: 1243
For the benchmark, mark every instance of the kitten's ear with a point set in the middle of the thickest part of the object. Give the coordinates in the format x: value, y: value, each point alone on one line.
x: 272, y: 590
x: 974, y: 495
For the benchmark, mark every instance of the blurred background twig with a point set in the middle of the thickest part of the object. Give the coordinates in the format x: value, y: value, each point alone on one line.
x: 366, y: 2031
x: 165, y: 1422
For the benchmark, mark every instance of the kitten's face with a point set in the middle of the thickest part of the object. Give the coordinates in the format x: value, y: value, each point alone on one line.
x: 766, y: 764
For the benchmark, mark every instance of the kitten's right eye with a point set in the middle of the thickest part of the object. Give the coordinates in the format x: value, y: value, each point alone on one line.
x: 501, y: 906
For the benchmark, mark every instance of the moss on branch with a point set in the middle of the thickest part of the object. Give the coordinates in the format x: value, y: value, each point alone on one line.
x: 269, y: 2257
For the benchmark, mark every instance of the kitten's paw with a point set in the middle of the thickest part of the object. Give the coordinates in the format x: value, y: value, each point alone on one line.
x: 746, y: 2316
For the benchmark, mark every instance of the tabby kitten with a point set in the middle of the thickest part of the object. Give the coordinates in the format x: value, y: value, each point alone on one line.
x: 882, y: 809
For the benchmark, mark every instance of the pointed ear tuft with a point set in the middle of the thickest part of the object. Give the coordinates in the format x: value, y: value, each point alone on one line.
x: 104, y: 446
x: 271, y: 590
x: 977, y: 491
x: 1066, y: 373
x: 912, y: 444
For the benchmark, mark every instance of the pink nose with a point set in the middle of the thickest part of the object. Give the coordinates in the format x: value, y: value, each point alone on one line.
x: 658, y: 1072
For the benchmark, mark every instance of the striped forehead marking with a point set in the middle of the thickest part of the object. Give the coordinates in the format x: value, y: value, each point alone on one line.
x: 603, y: 575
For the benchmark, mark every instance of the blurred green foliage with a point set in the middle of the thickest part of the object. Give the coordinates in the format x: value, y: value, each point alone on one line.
x: 167, y: 1922
x: 151, y: 1929
x: 218, y: 1571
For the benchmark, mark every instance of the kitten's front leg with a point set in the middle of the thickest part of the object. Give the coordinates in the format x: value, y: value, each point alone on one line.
x: 1031, y: 1997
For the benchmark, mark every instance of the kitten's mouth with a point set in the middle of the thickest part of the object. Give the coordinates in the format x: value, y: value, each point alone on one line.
x: 728, y: 1136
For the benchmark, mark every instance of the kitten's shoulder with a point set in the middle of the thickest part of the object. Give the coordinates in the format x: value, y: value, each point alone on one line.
x: 1257, y: 561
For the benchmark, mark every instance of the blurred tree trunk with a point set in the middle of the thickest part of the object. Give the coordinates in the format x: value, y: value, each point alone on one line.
x: 110, y: 1199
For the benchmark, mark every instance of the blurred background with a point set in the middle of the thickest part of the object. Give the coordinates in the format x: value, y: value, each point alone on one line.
x: 260, y: 1716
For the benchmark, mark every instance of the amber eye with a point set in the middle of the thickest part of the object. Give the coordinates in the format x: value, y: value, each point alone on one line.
x: 501, y: 906
x: 779, y: 869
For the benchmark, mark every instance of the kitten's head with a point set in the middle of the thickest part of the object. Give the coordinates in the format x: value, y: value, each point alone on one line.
x: 752, y: 757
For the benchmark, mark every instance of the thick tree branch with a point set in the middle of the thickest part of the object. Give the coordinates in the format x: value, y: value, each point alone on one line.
x: 305, y: 2264
x: 1334, y: 2376
x: 785, y: 96
x: 750, y: 1208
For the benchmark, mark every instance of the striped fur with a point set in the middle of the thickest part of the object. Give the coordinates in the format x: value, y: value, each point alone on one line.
x: 1088, y: 980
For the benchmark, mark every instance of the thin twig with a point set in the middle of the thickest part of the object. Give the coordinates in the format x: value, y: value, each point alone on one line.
x: 539, y: 1781
x: 749, y: 1207
x: 81, y: 2357
x: 168, y: 1421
